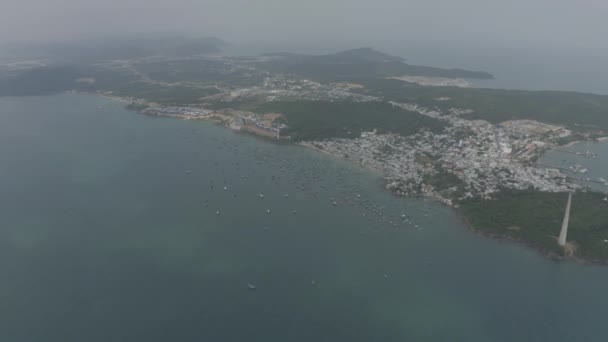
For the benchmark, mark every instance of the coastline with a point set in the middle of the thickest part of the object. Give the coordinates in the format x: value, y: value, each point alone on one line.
x: 443, y: 201
x: 313, y: 147
x: 486, y: 235
x: 572, y: 143
x: 111, y: 97
x: 549, y: 254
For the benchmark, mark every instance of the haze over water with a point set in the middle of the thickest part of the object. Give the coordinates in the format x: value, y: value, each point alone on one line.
x: 109, y: 232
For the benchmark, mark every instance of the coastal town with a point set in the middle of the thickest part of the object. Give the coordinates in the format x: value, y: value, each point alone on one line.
x: 469, y: 158
x: 426, y: 132
x: 429, y: 134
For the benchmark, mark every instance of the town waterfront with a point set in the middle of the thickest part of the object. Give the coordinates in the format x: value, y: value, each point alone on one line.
x: 595, y: 164
x: 120, y: 227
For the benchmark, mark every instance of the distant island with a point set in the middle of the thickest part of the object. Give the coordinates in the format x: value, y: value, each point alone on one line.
x: 357, y: 64
x: 423, y: 128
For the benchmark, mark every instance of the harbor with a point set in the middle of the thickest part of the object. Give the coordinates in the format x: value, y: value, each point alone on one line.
x: 585, y: 163
x: 141, y: 222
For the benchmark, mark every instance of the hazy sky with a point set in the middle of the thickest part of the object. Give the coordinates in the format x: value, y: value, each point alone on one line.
x: 569, y: 23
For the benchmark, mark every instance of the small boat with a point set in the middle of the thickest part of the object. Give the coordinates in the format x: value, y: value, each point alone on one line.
x: 286, y: 195
x: 261, y: 195
x: 385, y: 276
x: 268, y: 211
x: 294, y: 212
x: 225, y: 188
x: 188, y: 172
x: 251, y: 286
x: 217, y: 212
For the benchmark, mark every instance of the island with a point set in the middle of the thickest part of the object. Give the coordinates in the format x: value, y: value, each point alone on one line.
x: 428, y: 131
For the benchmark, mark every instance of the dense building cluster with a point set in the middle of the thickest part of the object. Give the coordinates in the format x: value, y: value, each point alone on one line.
x: 469, y: 158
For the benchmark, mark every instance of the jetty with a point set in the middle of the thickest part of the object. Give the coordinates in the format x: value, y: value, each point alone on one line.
x: 564, y: 232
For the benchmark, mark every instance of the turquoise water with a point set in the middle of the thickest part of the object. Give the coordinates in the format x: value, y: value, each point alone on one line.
x: 109, y: 232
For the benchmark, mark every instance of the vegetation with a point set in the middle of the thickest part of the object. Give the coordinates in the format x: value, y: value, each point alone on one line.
x: 55, y: 79
x: 137, y: 106
x: 536, y: 217
x: 358, y: 64
x: 249, y: 104
x: 445, y: 182
x: 174, y: 95
x: 579, y: 111
x: 315, y: 120
x: 200, y: 71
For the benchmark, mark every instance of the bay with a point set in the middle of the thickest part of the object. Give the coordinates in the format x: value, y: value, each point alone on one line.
x: 117, y: 227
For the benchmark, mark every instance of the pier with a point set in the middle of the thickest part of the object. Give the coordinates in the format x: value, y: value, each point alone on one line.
x: 586, y: 154
x: 564, y: 232
x: 580, y: 179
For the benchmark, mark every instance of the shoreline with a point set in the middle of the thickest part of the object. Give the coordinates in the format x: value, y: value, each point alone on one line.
x: 595, y: 140
x: 572, y: 143
x: 369, y: 168
x: 550, y: 255
x: 486, y: 235
x: 442, y: 201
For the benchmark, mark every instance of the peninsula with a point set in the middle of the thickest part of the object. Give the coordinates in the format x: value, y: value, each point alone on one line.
x: 426, y: 130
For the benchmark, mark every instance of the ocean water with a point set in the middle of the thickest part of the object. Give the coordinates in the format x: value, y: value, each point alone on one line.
x: 109, y: 232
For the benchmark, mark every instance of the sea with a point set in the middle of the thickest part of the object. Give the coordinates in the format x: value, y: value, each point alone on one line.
x: 120, y: 227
